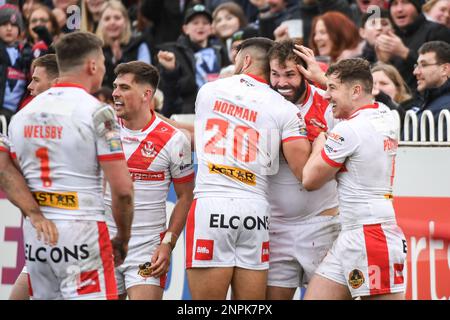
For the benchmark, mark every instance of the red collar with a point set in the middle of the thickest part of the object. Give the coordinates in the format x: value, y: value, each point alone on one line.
x: 69, y: 84
x: 369, y: 106
x: 257, y: 78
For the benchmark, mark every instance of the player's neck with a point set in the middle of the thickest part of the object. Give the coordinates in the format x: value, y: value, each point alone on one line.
x: 362, y: 103
x: 139, y: 122
x: 76, y: 79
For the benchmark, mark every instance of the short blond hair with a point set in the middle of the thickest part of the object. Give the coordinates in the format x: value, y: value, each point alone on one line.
x: 392, y: 73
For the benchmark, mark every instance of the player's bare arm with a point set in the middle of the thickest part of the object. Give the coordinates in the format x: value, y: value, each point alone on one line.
x: 16, y: 189
x: 296, y: 153
x: 161, y: 257
x: 118, y: 177
x: 316, y: 171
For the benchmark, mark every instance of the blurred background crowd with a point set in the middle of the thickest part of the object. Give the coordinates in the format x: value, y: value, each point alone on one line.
x: 193, y: 42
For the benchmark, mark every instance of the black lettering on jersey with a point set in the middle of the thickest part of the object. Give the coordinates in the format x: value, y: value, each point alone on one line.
x: 84, y: 251
x: 405, y: 246
x: 214, y: 221
x: 56, y: 255
x: 219, y: 221
x: 249, y: 223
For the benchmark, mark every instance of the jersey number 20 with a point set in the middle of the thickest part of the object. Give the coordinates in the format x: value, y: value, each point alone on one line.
x: 245, y: 140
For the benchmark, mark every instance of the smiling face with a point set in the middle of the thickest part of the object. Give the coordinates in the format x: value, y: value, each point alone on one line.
x: 286, y: 80
x: 322, y: 39
x: 403, y: 13
x: 338, y: 95
x: 429, y: 73
x: 130, y: 98
x: 113, y: 23
x: 440, y: 12
x: 198, y: 29
x: 225, y: 24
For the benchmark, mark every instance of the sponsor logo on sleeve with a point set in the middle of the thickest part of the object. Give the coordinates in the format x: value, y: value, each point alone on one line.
x: 336, y: 138
x: 238, y: 174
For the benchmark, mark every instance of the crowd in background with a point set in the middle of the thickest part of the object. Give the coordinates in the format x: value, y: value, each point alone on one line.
x: 193, y: 42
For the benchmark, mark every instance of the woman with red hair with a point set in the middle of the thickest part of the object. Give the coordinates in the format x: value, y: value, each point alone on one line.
x: 336, y: 36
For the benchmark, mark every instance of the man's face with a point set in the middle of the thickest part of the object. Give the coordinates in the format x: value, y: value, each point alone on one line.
x: 339, y: 95
x: 403, y: 13
x: 40, y: 81
x: 373, y: 28
x: 198, y: 29
x: 9, y: 33
x: 286, y: 80
x: 129, y: 97
x: 428, y: 73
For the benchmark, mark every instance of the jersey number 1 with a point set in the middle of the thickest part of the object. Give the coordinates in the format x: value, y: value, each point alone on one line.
x: 42, y: 154
x: 244, y: 143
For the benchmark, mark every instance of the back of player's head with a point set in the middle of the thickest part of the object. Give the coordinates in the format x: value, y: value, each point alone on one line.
x: 144, y: 73
x: 283, y: 51
x: 73, y: 48
x: 49, y: 63
x: 258, y: 49
x: 349, y: 71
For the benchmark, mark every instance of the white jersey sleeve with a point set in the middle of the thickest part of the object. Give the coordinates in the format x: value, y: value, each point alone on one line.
x: 342, y: 141
x: 5, y: 144
x: 181, y: 163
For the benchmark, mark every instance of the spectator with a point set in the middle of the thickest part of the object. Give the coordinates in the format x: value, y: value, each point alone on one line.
x: 114, y: 30
x: 390, y: 89
x: 62, y: 15
x: 361, y: 7
x: 91, y: 12
x: 437, y: 11
x: 227, y: 19
x: 411, y: 31
x: 15, y: 61
x: 336, y: 36
x: 42, y: 29
x: 165, y: 17
x: 274, y: 14
x: 189, y: 62
x: 432, y: 72
x: 372, y: 26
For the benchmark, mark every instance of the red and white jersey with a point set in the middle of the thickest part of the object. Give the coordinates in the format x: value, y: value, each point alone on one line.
x: 156, y: 155
x: 364, y: 146
x: 287, y: 197
x: 5, y: 144
x: 58, y: 140
x: 240, y: 124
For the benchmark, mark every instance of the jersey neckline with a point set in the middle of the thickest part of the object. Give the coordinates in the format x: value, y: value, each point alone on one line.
x: 369, y: 106
x: 69, y: 85
x: 257, y: 78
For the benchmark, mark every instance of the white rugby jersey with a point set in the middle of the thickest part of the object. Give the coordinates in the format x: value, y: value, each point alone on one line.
x: 4, y: 144
x: 239, y: 126
x: 364, y: 146
x: 287, y: 197
x: 156, y: 155
x: 59, y: 139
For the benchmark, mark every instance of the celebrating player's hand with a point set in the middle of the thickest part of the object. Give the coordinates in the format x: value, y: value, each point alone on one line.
x: 167, y: 59
x: 45, y: 228
x: 161, y: 260
x: 120, y: 250
x: 313, y: 71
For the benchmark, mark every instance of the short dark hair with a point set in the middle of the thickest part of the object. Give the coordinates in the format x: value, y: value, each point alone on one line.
x: 48, y: 62
x: 73, y: 48
x: 440, y: 48
x: 144, y: 73
x: 284, y: 51
x: 351, y: 70
x: 261, y: 46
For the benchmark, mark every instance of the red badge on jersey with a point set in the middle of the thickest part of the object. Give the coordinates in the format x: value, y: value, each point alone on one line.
x: 265, y: 252
x: 88, y: 282
x: 204, y: 249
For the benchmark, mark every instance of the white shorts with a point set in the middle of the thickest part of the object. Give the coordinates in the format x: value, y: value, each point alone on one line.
x: 297, y: 249
x: 80, y: 266
x: 369, y: 260
x: 228, y: 232
x: 133, y: 271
